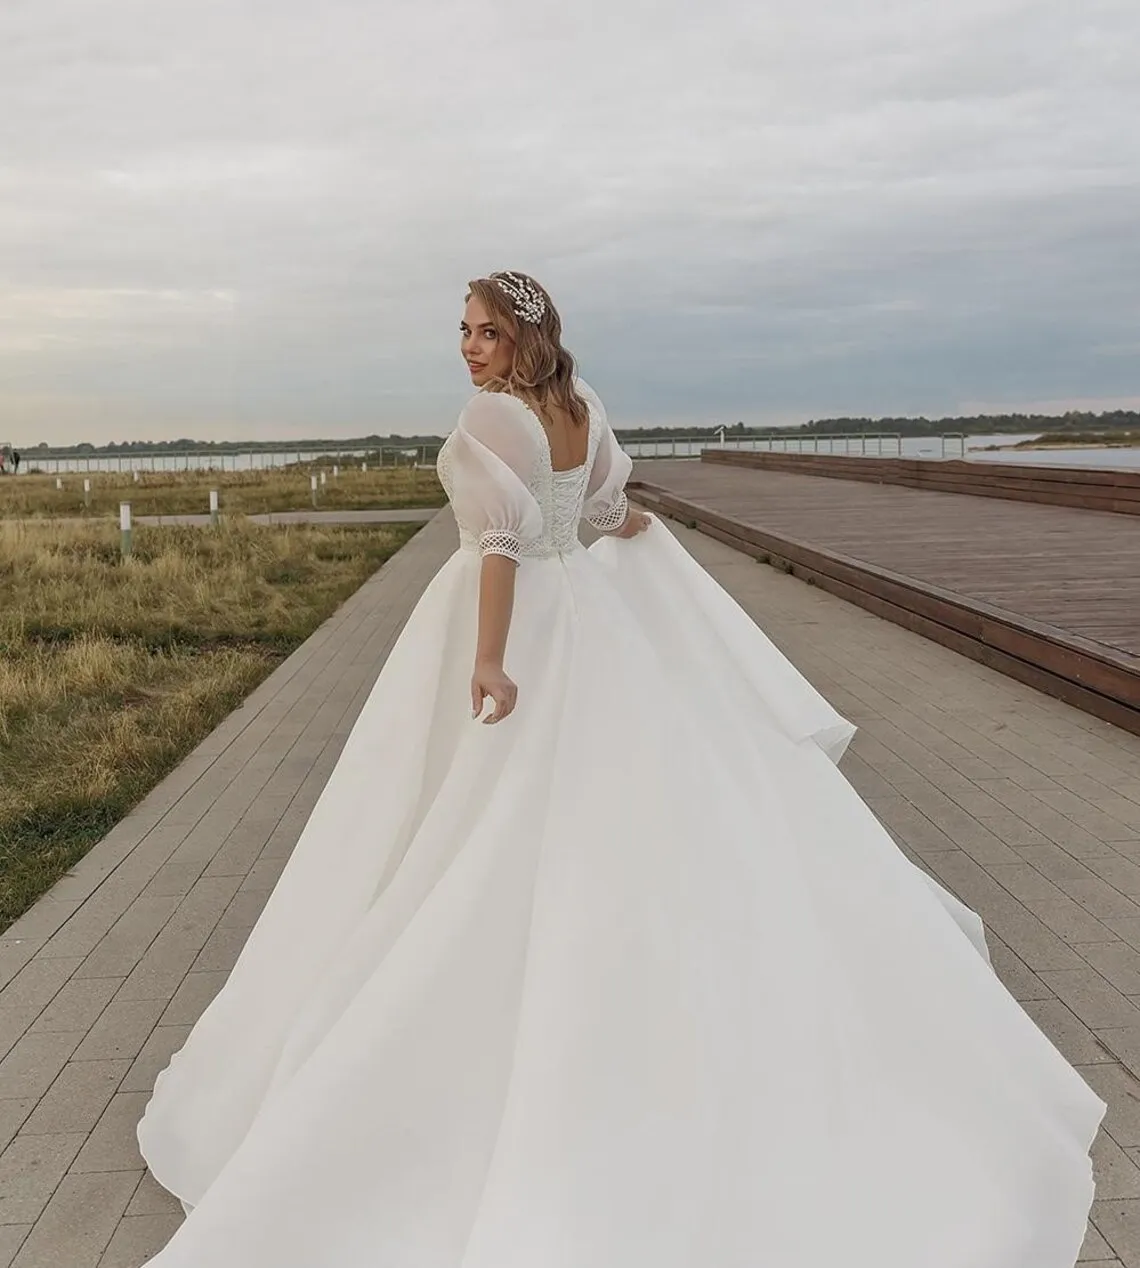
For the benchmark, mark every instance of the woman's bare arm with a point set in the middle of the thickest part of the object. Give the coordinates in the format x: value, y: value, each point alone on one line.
x: 496, y: 605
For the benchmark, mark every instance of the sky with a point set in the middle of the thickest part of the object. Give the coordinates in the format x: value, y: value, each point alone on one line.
x: 255, y: 219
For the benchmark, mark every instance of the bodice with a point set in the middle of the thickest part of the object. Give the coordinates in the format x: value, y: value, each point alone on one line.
x: 560, y: 496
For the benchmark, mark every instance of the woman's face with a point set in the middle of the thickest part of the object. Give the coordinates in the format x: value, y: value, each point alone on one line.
x: 488, y: 351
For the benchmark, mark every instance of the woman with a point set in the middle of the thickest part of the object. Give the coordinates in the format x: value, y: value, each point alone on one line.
x: 625, y: 976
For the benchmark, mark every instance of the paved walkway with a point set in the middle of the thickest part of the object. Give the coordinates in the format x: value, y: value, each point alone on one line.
x: 402, y: 515
x: 1025, y: 807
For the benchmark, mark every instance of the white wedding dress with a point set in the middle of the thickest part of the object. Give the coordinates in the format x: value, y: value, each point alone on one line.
x: 631, y: 980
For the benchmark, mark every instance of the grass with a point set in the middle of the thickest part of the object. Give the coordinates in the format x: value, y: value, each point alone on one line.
x: 111, y: 672
x: 1098, y: 439
x: 240, y: 492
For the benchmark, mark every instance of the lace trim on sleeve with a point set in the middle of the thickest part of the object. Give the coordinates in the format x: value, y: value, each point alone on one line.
x: 497, y: 542
x: 614, y: 518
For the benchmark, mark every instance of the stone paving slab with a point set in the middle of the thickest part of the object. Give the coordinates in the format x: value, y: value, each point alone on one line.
x: 103, y: 978
x: 1028, y: 809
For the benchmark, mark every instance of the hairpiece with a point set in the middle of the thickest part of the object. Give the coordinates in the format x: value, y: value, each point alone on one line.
x: 525, y: 297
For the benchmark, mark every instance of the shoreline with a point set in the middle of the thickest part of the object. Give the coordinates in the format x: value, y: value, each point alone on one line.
x: 1074, y: 444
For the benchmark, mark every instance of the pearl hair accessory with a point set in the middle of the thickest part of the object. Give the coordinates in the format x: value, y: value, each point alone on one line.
x: 526, y: 300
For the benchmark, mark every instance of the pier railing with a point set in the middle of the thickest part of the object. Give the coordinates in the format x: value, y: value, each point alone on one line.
x: 861, y: 443
x: 252, y: 458
x: 423, y: 453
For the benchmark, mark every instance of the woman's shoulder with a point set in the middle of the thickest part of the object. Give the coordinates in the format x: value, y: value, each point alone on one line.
x: 502, y: 423
x: 488, y: 404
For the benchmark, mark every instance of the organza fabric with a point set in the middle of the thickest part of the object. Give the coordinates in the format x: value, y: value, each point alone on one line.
x: 631, y: 980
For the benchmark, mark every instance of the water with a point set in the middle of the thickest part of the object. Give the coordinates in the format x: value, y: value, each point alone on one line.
x: 930, y: 447
x: 1067, y: 457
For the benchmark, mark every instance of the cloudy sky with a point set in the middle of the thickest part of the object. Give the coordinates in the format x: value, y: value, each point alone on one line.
x: 255, y: 218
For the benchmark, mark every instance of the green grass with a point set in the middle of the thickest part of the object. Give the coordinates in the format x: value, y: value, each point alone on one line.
x: 111, y: 672
x: 1065, y: 440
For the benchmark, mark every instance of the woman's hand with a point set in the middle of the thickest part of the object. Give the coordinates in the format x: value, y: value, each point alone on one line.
x: 489, y: 679
x: 636, y: 522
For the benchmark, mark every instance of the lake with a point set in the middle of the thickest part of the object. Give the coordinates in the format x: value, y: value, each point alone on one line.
x: 933, y: 447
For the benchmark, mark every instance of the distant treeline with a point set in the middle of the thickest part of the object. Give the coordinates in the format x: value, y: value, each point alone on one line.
x: 219, y: 447
x: 975, y: 425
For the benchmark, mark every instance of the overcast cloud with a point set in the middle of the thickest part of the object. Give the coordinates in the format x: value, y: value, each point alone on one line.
x: 256, y: 219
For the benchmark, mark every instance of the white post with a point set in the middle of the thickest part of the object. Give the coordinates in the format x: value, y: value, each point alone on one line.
x: 313, y: 486
x: 364, y: 466
x: 324, y: 477
x: 58, y: 482
x: 336, y: 473
x: 125, y: 529
x: 86, y: 492
x: 214, y: 507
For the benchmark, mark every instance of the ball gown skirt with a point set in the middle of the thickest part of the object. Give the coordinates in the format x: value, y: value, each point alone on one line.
x: 632, y: 980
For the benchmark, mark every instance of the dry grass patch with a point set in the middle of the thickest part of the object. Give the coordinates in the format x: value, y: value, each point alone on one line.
x: 240, y: 492
x: 111, y: 672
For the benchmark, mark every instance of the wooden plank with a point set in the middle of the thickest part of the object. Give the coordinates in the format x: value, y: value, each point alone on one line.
x: 1113, y: 491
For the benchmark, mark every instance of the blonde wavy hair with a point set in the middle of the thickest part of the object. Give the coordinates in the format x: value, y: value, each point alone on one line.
x: 542, y: 371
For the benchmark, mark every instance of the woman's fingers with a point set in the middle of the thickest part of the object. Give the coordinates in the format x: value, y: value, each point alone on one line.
x: 502, y: 692
x: 504, y: 698
x: 636, y: 524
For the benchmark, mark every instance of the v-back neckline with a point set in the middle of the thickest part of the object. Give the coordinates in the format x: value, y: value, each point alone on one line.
x: 546, y: 436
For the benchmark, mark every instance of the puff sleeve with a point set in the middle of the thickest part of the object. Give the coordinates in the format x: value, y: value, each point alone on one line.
x: 491, y: 460
x: 606, y: 505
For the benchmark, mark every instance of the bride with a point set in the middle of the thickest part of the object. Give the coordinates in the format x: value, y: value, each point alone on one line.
x: 589, y: 956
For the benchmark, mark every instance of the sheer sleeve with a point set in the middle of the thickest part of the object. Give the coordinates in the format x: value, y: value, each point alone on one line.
x: 492, y: 458
x: 606, y: 505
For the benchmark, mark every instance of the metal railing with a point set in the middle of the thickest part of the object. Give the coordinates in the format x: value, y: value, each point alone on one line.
x: 253, y: 458
x: 867, y: 444
x: 863, y: 444
x: 246, y: 459
x: 849, y: 444
x: 956, y: 438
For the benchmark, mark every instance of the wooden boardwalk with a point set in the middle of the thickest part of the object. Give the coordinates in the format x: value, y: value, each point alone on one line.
x: 1114, y: 489
x: 1025, y: 807
x: 1050, y: 594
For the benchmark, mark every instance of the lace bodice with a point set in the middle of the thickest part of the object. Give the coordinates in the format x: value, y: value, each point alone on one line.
x: 508, y: 500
